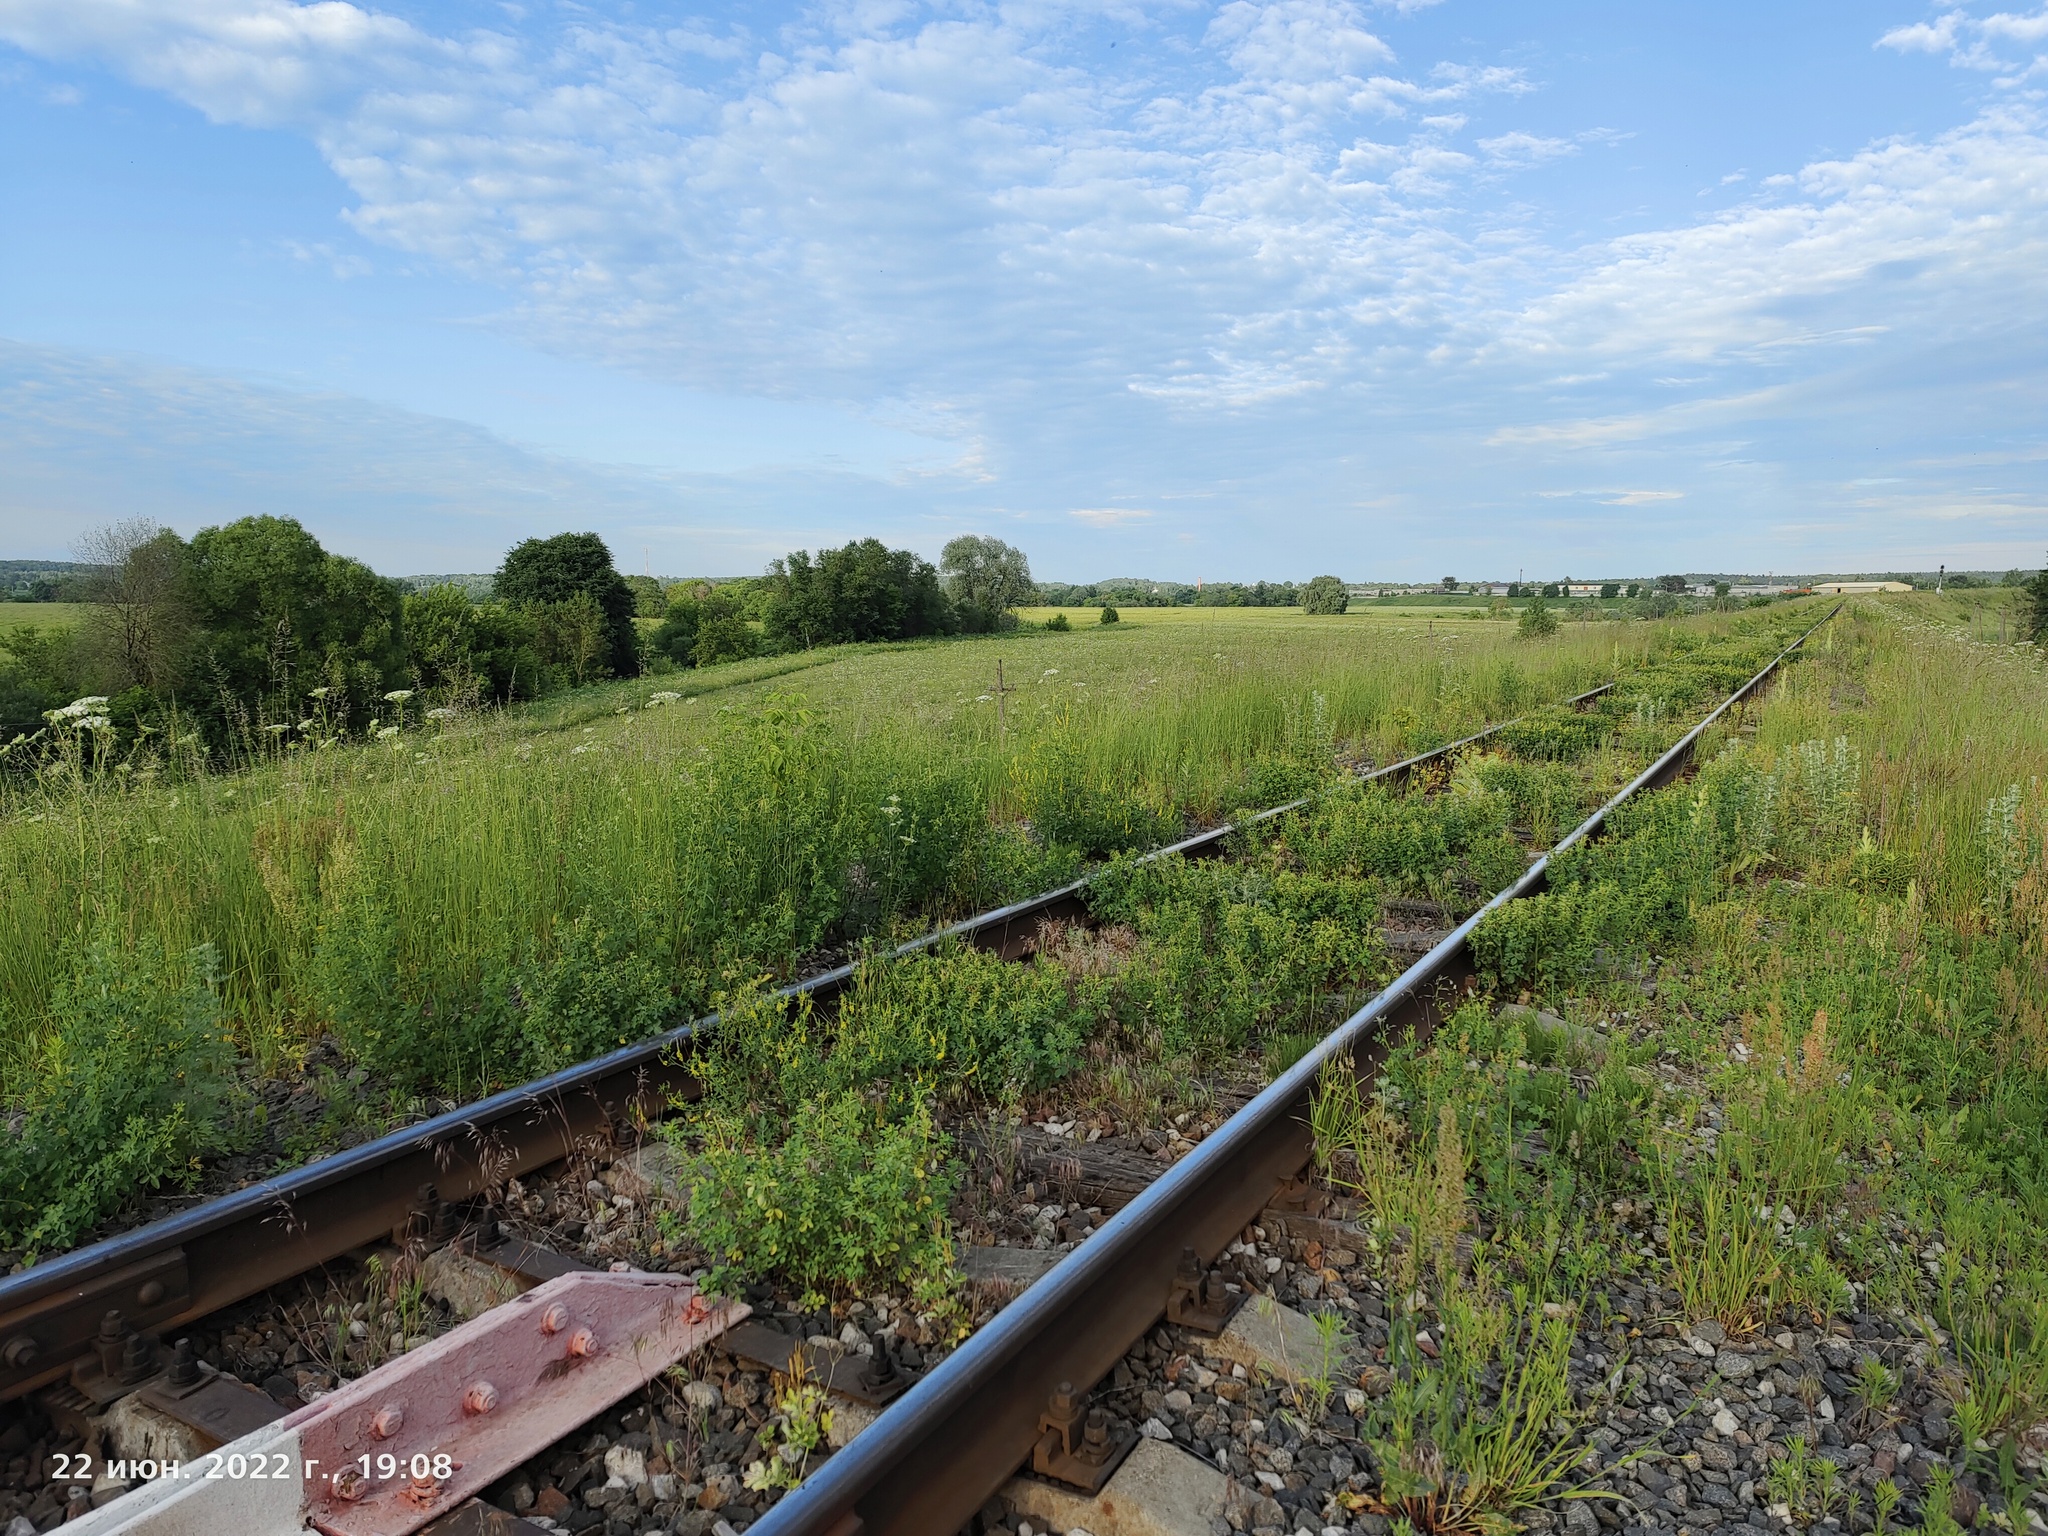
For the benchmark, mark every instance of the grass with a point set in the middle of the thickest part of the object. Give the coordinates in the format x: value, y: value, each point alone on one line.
x: 1841, y: 1076
x: 40, y: 616
x: 508, y: 824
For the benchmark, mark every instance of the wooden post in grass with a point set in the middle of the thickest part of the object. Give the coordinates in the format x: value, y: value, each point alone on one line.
x: 1002, y: 719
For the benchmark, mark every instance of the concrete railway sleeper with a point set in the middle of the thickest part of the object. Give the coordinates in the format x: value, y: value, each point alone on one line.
x: 940, y: 1444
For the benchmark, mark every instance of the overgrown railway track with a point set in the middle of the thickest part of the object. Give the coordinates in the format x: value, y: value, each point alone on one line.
x: 82, y: 1328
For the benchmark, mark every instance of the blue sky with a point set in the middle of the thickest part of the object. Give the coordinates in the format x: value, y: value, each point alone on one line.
x: 1227, y: 290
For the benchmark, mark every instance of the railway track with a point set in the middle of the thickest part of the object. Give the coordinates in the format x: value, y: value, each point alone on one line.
x: 82, y: 1329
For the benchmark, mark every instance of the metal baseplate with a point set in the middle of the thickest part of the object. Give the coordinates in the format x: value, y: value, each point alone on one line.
x: 876, y: 1378
x: 1079, y: 1446
x: 1201, y: 1298
x: 415, y: 1440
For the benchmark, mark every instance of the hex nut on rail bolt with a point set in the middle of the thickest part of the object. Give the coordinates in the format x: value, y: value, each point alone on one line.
x: 1078, y: 1446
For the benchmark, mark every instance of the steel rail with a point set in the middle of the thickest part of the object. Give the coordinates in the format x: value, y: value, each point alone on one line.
x: 180, y: 1267
x: 937, y: 1454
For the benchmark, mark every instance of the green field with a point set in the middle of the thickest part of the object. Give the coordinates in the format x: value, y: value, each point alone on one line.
x: 40, y: 616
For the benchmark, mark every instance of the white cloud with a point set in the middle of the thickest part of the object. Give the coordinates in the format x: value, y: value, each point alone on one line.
x: 1109, y: 517
x: 1519, y: 148
x: 2003, y: 43
x: 1899, y: 229
x: 1641, y: 498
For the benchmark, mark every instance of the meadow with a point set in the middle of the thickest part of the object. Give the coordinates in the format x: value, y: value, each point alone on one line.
x: 40, y: 616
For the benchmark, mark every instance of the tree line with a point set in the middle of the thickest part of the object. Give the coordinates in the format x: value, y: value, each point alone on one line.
x: 252, y: 629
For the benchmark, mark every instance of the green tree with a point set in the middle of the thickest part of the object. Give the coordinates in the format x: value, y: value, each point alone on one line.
x: 649, y: 602
x: 542, y: 575
x: 1672, y: 584
x: 985, y: 578
x: 677, y: 633
x: 278, y: 616
x: 1536, y: 621
x: 137, y: 582
x: 1109, y: 615
x: 1610, y: 589
x: 468, y: 650
x: 861, y: 592
x: 2034, y: 613
x: 574, y: 635
x: 1324, y: 595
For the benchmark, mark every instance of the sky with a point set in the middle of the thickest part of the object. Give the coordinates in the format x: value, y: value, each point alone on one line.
x: 1195, y: 290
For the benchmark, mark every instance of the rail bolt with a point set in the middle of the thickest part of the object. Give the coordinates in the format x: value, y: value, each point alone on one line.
x: 151, y: 1293
x: 582, y: 1344
x: 1094, y: 1448
x: 138, y: 1360
x: 555, y: 1319
x: 350, y: 1484
x: 19, y: 1352
x: 387, y: 1421
x: 481, y: 1398
x: 184, y: 1364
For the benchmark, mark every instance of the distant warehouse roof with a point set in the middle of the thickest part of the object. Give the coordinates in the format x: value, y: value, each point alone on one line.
x: 1860, y: 586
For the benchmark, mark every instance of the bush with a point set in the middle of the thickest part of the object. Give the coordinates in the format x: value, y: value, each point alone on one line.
x: 1555, y: 732
x: 1058, y: 624
x: 134, y: 1082
x: 1536, y: 621
x: 1109, y: 614
x: 849, y: 1201
x: 1325, y: 595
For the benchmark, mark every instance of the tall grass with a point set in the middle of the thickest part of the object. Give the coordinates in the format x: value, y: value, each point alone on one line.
x: 733, y: 830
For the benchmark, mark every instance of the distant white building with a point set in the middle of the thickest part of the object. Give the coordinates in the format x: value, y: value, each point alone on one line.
x: 1843, y: 588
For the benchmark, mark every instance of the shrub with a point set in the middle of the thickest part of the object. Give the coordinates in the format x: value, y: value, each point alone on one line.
x: 1109, y: 614
x: 1536, y: 621
x: 1058, y: 624
x: 134, y: 1083
x: 605, y: 985
x: 1325, y: 595
x: 849, y: 1201
x: 1555, y: 732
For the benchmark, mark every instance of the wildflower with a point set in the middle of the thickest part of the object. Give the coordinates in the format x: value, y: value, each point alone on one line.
x: 277, y: 730
x: 398, y: 696
x: 444, y: 713
x: 76, y: 709
x: 664, y: 697
x: 387, y: 733
x: 95, y: 723
x: 305, y: 725
x: 318, y: 693
x: 1050, y: 672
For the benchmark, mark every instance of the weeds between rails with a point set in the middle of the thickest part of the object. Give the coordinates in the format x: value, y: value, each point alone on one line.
x: 816, y: 1155
x: 453, y: 916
